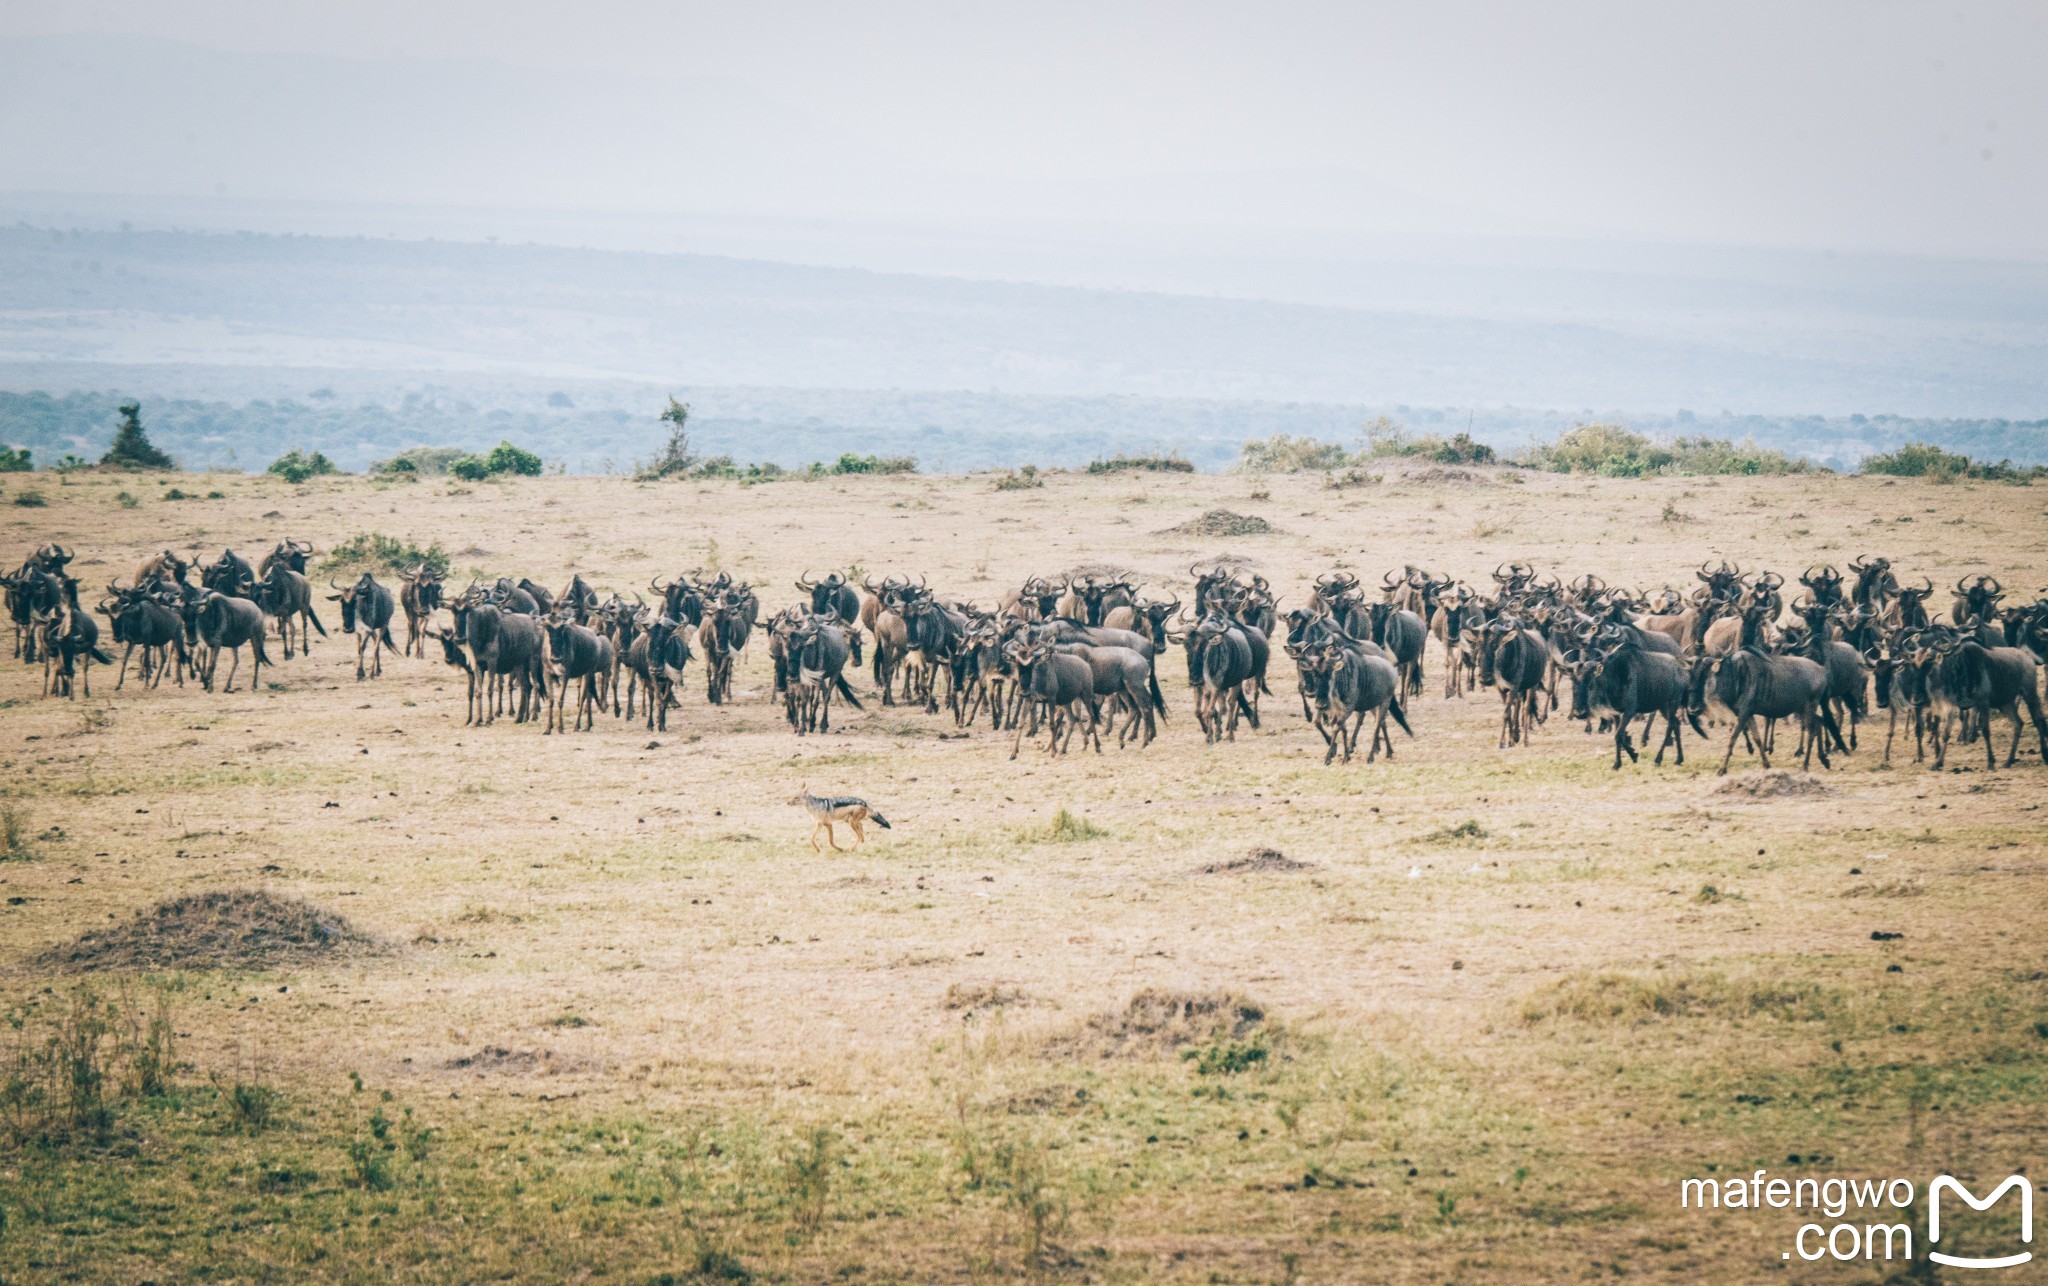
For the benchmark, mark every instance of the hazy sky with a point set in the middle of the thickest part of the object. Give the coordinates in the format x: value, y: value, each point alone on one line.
x: 1864, y: 124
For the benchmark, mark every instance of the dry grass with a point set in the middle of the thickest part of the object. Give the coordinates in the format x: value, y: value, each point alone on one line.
x: 741, y: 992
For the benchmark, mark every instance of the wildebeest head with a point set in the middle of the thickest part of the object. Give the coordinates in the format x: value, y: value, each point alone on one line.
x: 1976, y: 599
x: 1824, y: 583
x: 1723, y: 583
x: 229, y: 574
x: 289, y: 553
x: 1875, y: 583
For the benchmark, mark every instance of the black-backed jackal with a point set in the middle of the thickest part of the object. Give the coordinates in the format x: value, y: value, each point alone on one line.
x: 838, y: 808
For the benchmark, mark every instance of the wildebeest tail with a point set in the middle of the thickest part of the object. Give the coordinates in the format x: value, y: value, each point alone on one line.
x: 100, y: 656
x: 1400, y: 716
x: 1158, y: 698
x: 1244, y: 707
x: 879, y: 820
x: 385, y: 634
x: 314, y: 617
x: 847, y: 693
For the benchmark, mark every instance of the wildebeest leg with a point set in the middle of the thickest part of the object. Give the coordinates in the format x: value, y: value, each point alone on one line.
x: 1741, y: 729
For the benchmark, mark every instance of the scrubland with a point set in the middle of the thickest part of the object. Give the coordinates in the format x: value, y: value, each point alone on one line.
x: 588, y: 1006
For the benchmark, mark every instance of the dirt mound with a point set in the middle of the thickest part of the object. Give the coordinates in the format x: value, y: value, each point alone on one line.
x: 509, y: 1062
x: 1442, y: 475
x: 977, y: 996
x: 244, y: 928
x: 1256, y: 861
x: 1159, y: 1022
x: 1774, y: 784
x: 1047, y: 1098
x: 1099, y: 571
x: 1223, y: 522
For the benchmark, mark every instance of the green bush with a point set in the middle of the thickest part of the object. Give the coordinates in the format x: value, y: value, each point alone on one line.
x: 420, y: 460
x: 1023, y: 479
x: 1925, y: 460
x: 1383, y: 438
x: 1613, y: 451
x: 506, y: 458
x: 469, y: 468
x: 295, y: 466
x: 1121, y: 463
x: 14, y: 460
x: 1284, y: 454
x: 374, y: 550
x: 860, y: 464
x: 31, y: 499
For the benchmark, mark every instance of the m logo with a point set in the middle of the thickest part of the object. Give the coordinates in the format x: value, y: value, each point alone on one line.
x: 1961, y: 1261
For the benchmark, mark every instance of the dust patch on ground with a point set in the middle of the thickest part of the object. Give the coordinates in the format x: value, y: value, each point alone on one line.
x: 1223, y: 522
x: 1158, y: 1021
x: 1257, y: 861
x: 240, y: 928
x: 1774, y: 784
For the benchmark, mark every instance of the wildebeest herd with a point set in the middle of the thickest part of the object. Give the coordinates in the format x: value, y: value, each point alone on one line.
x: 1081, y: 652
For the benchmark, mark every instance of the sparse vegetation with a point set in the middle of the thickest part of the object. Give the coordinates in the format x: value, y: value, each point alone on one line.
x: 1283, y: 454
x: 14, y: 828
x: 14, y: 459
x: 31, y: 499
x: 375, y: 551
x: 1066, y: 828
x: 1023, y: 479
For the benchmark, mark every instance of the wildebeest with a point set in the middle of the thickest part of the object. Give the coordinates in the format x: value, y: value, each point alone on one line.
x: 231, y: 623
x: 288, y: 599
x: 229, y: 574
x: 151, y: 618
x: 1061, y: 687
x: 1751, y: 683
x: 1965, y: 679
x: 420, y: 598
x: 366, y: 611
x: 1516, y: 659
x: 1345, y: 684
x: 576, y: 654
x: 1623, y: 681
x: 819, y: 652
x: 1220, y: 670
x: 69, y: 641
x: 504, y: 648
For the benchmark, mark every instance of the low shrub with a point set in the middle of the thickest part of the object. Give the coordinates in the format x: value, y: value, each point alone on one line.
x: 1615, y: 451
x: 375, y: 551
x: 1384, y: 439
x: 506, y: 458
x: 1282, y: 453
x: 1023, y: 479
x: 14, y: 460
x: 1926, y: 460
x: 295, y: 466
x: 31, y: 499
x: 420, y: 460
x: 1121, y: 463
x: 858, y: 464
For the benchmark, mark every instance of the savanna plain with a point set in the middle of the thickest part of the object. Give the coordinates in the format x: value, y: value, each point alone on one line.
x: 1187, y: 1013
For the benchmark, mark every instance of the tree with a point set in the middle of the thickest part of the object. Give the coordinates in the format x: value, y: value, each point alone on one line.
x: 506, y: 458
x: 676, y: 459
x: 132, y: 448
x: 14, y: 460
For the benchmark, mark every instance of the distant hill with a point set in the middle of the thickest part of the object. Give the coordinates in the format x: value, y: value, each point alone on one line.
x: 239, y: 344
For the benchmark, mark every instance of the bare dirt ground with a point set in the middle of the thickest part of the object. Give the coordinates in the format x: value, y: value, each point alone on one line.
x: 601, y: 1011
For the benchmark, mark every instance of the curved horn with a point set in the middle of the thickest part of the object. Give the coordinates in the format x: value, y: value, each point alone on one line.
x: 331, y: 583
